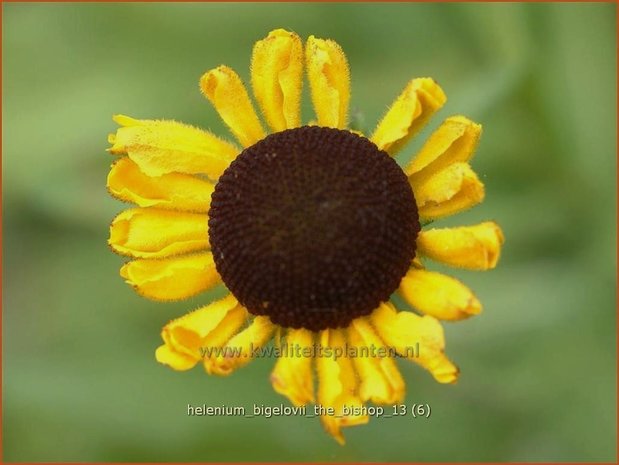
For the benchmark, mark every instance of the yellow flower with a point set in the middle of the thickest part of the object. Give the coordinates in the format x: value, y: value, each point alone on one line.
x: 311, y: 229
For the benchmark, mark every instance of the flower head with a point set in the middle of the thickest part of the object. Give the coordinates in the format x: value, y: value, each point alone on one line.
x: 311, y: 229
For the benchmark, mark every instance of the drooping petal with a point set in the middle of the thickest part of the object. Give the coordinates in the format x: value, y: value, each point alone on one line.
x: 292, y: 375
x: 184, y: 337
x: 213, y: 343
x: 473, y: 247
x: 338, y: 385
x: 178, y: 361
x: 277, y: 78
x: 224, y: 89
x: 174, y: 191
x: 381, y: 381
x: 239, y: 350
x: 161, y: 147
x: 452, y: 190
x: 438, y: 295
x: 154, y: 233
x: 172, y: 278
x: 329, y: 78
x: 418, y: 338
x: 454, y: 141
x: 412, y: 109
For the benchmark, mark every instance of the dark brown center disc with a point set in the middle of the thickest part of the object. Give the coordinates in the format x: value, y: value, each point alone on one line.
x: 313, y: 227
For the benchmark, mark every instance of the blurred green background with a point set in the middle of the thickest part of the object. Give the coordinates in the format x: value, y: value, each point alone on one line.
x: 538, y: 366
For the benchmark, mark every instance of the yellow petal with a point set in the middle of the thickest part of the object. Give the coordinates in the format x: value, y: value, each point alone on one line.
x: 240, y: 350
x: 438, y: 295
x: 184, y: 337
x: 171, y: 191
x: 161, y: 147
x: 337, y: 385
x: 292, y: 375
x: 473, y: 247
x: 224, y: 89
x: 412, y: 109
x: 153, y: 233
x: 277, y: 78
x: 213, y: 343
x: 452, y: 190
x: 420, y: 339
x: 381, y: 381
x: 172, y: 278
x: 454, y: 141
x: 175, y: 360
x: 329, y: 78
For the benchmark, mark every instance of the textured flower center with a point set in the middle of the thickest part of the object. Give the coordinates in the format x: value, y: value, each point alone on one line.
x: 313, y: 227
